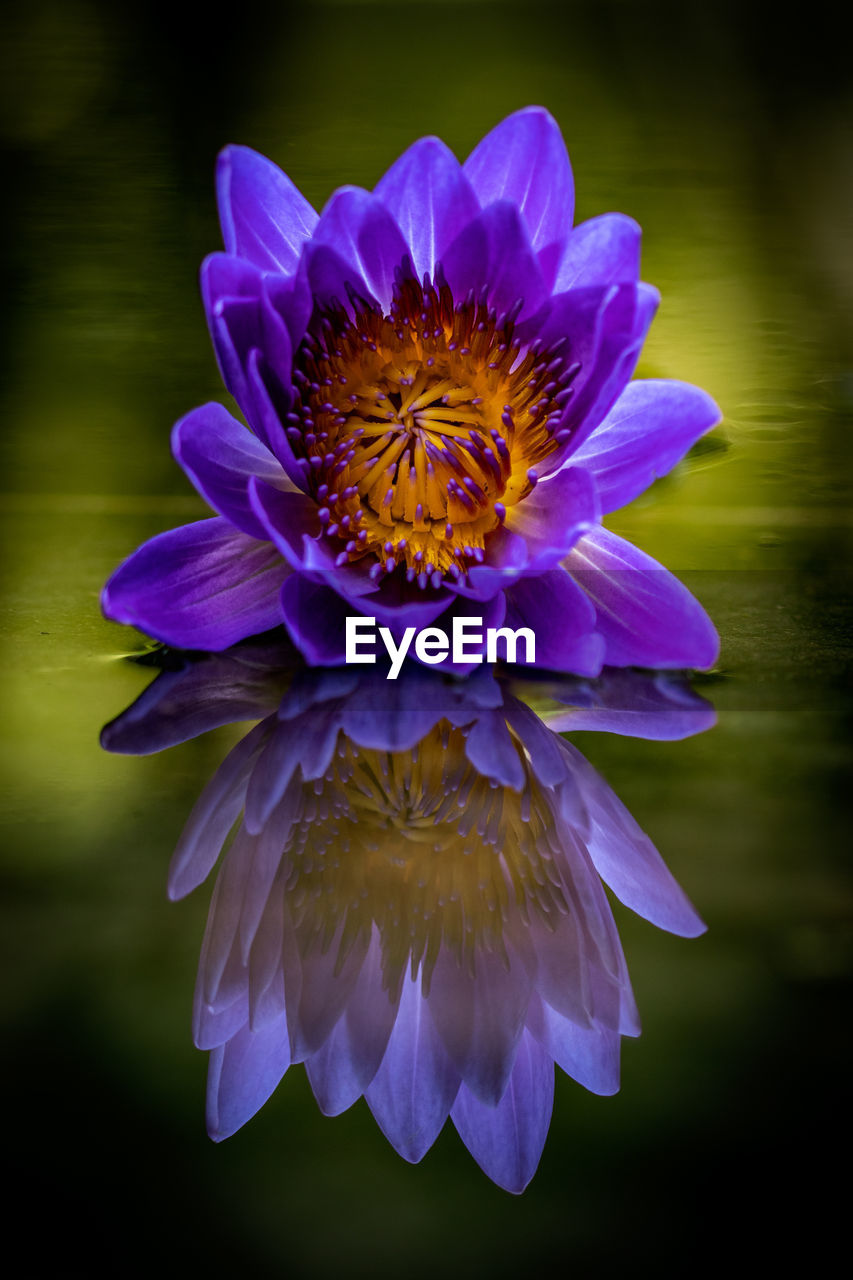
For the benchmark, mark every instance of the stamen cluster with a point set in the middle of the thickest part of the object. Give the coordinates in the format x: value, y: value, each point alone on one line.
x: 420, y: 428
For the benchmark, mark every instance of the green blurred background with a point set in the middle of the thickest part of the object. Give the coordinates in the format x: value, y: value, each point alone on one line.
x: 726, y: 132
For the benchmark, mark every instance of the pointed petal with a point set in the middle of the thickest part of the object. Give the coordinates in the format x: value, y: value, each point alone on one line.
x: 202, y: 586
x: 623, y: 324
x: 626, y: 859
x: 430, y: 199
x: 288, y: 519
x: 308, y: 749
x: 413, y: 1090
x: 561, y: 617
x: 241, y: 318
x: 327, y: 983
x: 542, y: 747
x: 507, y: 1140
x: 220, y: 456
x: 589, y: 1055
x: 193, y: 699
x: 646, y: 616
x: 492, y: 256
x: 649, y: 429
x: 264, y: 218
x: 552, y: 518
x: 275, y: 970
x: 480, y: 1019
x: 358, y: 228
x: 659, y: 706
x: 334, y: 1077
x: 524, y: 160
x: 343, y: 1068
x: 214, y: 1025
x: 213, y: 816
x: 490, y: 748
x: 604, y: 250
x: 242, y: 1074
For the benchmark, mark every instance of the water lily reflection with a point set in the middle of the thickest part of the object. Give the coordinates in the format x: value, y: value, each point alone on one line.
x: 412, y: 902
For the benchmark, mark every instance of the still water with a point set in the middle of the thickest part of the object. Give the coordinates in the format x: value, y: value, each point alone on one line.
x: 731, y: 153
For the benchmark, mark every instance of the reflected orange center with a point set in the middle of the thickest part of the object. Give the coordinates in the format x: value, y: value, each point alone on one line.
x: 421, y: 844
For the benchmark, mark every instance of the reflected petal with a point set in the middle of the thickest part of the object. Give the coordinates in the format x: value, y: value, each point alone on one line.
x: 412, y: 903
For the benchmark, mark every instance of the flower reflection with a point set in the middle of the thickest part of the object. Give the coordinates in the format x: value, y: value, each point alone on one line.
x: 412, y: 902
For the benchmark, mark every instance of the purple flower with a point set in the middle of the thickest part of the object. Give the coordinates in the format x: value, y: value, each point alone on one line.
x: 412, y: 903
x: 435, y: 376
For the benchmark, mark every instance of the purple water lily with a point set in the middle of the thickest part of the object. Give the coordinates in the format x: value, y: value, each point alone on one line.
x: 436, y: 379
x: 412, y: 903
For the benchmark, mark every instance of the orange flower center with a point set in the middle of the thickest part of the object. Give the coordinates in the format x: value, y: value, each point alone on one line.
x: 423, y: 428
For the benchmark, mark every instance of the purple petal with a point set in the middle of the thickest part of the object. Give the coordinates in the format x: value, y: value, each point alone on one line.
x: 507, y: 556
x: 199, y: 696
x: 413, y: 1090
x: 661, y: 707
x: 287, y: 750
x: 648, y: 430
x: 626, y: 859
x: 491, y: 611
x: 241, y: 317
x: 561, y: 617
x: 315, y: 614
x: 357, y: 227
x: 621, y: 331
x: 328, y: 276
x: 213, y: 816
x: 291, y: 300
x: 264, y: 218
x: 266, y: 409
x: 315, y: 617
x: 396, y: 716
x: 646, y: 616
x: 202, y: 586
x: 243, y: 1074
x: 507, y: 1140
x: 430, y: 199
x: 371, y: 1014
x: 213, y: 1025
x: 492, y: 751
x: 564, y: 963
x: 328, y: 979
x: 220, y: 456
x: 275, y: 970
x: 288, y: 519
x: 524, y: 160
x: 589, y: 1055
x: 542, y: 747
x: 493, y: 253
x: 263, y: 868
x: 552, y: 518
x: 600, y: 954
x: 333, y: 1076
x: 480, y: 1018
x: 397, y: 603
x: 223, y: 970
x: 581, y: 320
x: 344, y: 1067
x: 604, y: 250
